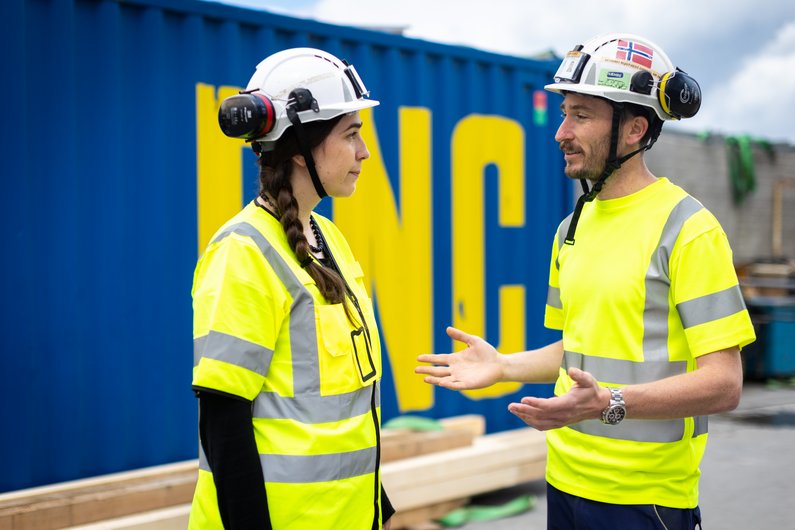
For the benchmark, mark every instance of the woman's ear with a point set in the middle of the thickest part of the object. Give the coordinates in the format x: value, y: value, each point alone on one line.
x: 299, y: 160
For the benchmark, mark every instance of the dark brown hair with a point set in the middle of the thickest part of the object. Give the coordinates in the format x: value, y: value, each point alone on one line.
x: 276, y: 168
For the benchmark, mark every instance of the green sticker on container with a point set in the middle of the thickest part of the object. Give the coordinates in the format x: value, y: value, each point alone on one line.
x: 614, y: 79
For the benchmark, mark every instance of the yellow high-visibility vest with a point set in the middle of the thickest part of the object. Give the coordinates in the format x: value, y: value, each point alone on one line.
x: 263, y: 332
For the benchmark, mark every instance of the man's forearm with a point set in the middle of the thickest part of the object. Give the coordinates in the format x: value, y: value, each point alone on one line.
x: 533, y: 366
x: 715, y: 386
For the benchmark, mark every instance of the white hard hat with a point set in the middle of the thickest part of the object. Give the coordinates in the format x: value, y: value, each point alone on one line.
x: 315, y: 83
x: 622, y: 67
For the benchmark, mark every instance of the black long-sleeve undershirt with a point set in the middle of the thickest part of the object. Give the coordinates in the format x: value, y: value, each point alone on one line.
x: 231, y: 451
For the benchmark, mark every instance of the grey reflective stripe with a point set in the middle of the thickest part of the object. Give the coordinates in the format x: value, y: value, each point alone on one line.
x: 311, y: 409
x: 303, y: 342
x: 553, y: 298
x: 659, y: 431
x: 300, y: 469
x: 203, y: 464
x: 700, y: 425
x: 658, y: 282
x: 629, y: 372
x: 233, y: 350
x: 621, y: 371
x: 711, y: 307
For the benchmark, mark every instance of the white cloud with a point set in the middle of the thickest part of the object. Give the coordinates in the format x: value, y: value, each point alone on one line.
x: 742, y: 53
x: 759, y: 98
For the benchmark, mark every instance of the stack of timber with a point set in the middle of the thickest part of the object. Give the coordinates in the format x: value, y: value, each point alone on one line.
x: 100, y: 498
x: 418, y: 485
x: 427, y: 474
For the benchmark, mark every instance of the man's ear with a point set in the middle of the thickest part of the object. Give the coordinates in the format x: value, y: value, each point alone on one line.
x: 299, y: 160
x: 635, y: 129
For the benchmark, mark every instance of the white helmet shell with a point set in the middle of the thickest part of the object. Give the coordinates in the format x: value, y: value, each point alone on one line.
x: 605, y: 67
x: 335, y: 86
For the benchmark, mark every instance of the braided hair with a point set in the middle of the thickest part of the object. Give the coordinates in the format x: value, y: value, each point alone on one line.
x: 276, y: 168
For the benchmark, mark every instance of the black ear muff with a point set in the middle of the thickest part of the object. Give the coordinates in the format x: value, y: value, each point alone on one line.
x: 248, y: 116
x: 642, y: 82
x: 679, y: 95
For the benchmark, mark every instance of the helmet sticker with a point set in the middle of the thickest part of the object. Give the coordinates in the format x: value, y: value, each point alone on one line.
x: 613, y: 79
x: 628, y: 50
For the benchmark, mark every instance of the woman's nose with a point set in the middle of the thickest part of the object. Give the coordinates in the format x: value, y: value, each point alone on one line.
x: 363, y: 152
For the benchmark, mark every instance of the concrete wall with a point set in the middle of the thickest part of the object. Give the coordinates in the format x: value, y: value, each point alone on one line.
x: 700, y: 166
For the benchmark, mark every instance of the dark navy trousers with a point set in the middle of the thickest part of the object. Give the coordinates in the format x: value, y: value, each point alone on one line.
x: 569, y: 512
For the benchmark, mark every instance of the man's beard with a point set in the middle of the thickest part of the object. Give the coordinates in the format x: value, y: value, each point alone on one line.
x: 593, y: 166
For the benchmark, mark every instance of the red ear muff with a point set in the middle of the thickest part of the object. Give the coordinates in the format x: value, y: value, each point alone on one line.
x: 679, y: 95
x: 247, y: 116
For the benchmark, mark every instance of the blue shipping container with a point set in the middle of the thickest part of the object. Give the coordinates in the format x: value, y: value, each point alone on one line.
x: 116, y: 174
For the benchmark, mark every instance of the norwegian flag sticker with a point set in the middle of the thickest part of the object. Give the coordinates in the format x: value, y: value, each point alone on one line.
x: 635, y: 53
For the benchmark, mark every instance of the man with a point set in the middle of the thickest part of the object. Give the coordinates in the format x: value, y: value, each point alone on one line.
x: 643, y: 287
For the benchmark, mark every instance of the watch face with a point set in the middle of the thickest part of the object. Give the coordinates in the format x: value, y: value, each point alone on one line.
x: 615, y: 414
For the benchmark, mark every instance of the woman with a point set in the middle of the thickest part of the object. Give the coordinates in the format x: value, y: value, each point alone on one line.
x: 287, y: 354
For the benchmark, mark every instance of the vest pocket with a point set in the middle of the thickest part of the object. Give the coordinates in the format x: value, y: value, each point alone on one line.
x: 333, y: 329
x: 336, y: 353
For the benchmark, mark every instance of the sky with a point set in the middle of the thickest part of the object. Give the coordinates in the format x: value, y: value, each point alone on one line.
x: 741, y: 52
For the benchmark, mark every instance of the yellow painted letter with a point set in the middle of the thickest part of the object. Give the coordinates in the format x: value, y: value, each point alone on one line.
x: 219, y: 166
x: 393, y: 245
x: 479, y: 141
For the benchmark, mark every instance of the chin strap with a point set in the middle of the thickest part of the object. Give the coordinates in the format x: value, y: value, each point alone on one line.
x: 303, y: 100
x: 611, y: 165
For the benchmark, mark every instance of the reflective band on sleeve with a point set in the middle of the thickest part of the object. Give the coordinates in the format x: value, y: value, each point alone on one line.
x: 233, y: 350
x: 553, y: 298
x: 711, y: 307
x: 312, y: 409
x: 302, y: 469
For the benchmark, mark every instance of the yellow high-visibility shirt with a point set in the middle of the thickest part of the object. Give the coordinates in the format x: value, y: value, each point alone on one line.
x: 648, y: 286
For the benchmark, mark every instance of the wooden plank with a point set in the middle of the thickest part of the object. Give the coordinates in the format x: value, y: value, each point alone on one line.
x: 174, y: 518
x: 492, y: 462
x: 490, y: 451
x: 451, y: 488
x: 458, y: 431
x: 474, y: 423
x: 411, y: 444
x: 98, y: 482
x: 100, y: 498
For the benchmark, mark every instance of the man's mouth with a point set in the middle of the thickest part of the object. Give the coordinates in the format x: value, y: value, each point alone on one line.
x: 569, y: 150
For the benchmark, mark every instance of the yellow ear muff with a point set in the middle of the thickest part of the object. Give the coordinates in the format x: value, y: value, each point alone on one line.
x: 661, y: 94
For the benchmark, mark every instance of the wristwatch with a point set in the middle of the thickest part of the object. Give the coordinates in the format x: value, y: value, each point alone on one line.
x: 616, y: 411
